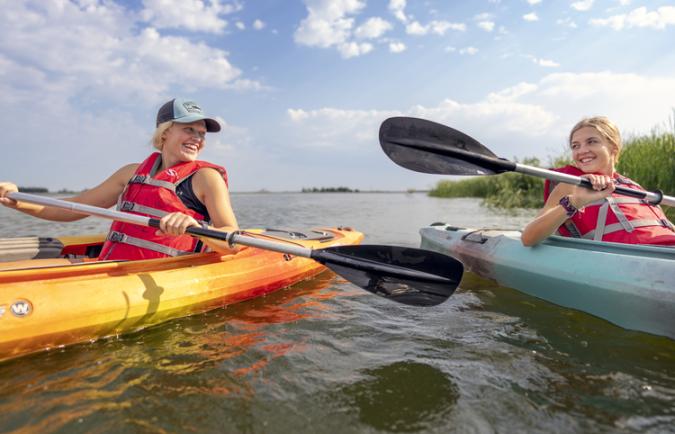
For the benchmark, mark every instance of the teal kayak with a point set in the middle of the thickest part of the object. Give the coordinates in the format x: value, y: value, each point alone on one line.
x: 632, y: 286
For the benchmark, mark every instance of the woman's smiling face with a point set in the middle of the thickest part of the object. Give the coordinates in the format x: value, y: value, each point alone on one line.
x: 183, y: 142
x: 591, y: 152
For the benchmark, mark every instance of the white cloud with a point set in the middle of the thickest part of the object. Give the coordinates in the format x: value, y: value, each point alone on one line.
x: 194, y: 15
x: 485, y: 16
x: 330, y: 24
x: 641, y: 18
x: 373, y: 28
x: 582, y: 5
x: 98, y: 52
x: 488, y: 26
x: 259, y: 24
x: 354, y: 49
x: 512, y: 93
x: 531, y: 17
x: 397, y: 47
x: 527, y: 119
x: 440, y: 27
x: 572, y: 96
x: 240, y: 25
x: 397, y: 8
x: 566, y: 22
x: 336, y: 128
x: 468, y: 50
x: 437, y: 27
x: 533, y: 2
x: 544, y: 62
x: 414, y: 27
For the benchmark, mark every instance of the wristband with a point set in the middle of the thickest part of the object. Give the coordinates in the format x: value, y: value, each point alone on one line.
x: 570, y: 209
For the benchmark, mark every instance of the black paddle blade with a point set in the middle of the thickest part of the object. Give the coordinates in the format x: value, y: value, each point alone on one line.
x: 428, y: 147
x: 410, y: 276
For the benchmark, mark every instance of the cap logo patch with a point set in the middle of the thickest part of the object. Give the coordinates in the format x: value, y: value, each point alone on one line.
x: 191, y: 107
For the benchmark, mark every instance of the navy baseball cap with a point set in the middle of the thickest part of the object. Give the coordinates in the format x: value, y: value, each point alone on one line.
x: 184, y: 112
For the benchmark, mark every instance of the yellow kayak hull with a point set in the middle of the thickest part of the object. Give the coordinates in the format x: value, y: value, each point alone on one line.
x: 51, y: 303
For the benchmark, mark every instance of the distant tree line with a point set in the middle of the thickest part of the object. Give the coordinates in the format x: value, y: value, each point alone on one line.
x: 33, y: 190
x: 45, y: 190
x: 329, y: 190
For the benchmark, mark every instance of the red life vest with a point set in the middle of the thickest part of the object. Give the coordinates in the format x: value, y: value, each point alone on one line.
x: 618, y: 218
x: 153, y: 194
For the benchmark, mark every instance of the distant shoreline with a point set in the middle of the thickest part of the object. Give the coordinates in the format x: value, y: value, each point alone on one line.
x: 331, y: 192
x: 44, y: 190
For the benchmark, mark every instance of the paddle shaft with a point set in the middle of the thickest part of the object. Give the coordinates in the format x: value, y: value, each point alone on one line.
x: 230, y: 237
x: 499, y: 165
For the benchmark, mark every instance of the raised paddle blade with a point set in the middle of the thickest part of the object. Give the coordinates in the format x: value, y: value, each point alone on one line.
x: 406, y: 275
x: 429, y: 147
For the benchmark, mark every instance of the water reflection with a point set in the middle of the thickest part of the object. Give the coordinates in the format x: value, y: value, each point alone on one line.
x: 403, y: 397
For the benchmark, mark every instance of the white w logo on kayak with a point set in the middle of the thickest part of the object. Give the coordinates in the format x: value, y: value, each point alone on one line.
x: 20, y: 308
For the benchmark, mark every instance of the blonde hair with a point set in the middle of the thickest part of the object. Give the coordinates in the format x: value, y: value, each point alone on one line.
x: 158, y: 135
x: 605, y: 127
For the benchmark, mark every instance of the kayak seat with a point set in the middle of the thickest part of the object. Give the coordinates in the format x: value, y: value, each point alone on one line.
x: 33, y: 247
x: 17, y: 249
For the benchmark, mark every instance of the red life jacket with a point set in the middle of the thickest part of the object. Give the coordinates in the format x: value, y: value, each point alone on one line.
x: 618, y: 218
x: 153, y: 194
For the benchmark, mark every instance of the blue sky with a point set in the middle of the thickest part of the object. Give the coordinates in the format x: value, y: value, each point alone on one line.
x: 301, y: 86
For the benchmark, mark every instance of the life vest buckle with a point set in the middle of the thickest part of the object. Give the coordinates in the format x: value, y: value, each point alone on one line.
x: 116, y: 237
x: 137, y: 179
x: 127, y: 206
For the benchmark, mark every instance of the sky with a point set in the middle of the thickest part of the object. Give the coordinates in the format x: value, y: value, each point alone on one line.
x: 302, y: 86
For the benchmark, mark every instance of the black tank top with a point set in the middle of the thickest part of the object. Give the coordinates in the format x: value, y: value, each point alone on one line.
x: 189, y: 198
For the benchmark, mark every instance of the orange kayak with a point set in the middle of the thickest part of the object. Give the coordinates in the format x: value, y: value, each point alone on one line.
x: 53, y: 302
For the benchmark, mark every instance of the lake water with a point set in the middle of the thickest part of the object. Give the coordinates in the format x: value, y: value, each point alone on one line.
x: 327, y: 357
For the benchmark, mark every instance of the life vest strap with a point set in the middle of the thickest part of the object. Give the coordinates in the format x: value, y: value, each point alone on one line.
x: 148, y: 180
x: 127, y: 206
x: 119, y: 237
x: 591, y: 235
x: 623, y: 200
x: 132, y: 206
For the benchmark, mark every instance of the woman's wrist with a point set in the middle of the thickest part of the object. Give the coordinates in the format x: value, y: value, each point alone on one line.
x: 576, y: 202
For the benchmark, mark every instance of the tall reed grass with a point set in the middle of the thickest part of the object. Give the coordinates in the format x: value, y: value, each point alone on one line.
x: 650, y: 161
x: 507, y: 191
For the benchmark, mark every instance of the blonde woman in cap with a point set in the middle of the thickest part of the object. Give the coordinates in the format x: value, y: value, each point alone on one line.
x: 171, y: 184
x: 598, y: 214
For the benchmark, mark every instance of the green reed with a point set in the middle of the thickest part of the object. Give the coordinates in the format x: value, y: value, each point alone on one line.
x: 508, y: 191
x: 650, y: 161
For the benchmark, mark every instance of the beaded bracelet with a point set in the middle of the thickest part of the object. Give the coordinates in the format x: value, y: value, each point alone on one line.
x: 570, y: 209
